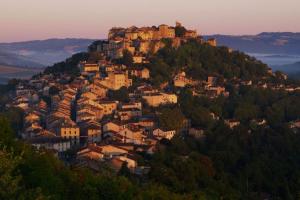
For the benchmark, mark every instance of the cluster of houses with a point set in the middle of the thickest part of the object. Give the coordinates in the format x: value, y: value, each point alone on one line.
x: 141, y: 41
x: 80, y: 114
x: 62, y: 113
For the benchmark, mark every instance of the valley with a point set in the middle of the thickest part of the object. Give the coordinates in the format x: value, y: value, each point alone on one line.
x: 10, y: 72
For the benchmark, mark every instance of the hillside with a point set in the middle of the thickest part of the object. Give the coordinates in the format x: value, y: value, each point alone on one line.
x: 40, y: 53
x: 267, y: 42
x: 197, y: 60
x: 219, y: 162
x: 229, y: 124
x: 200, y: 61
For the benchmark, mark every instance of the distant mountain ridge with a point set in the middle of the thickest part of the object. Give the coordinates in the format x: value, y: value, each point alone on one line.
x: 49, y: 44
x: 41, y: 53
x: 294, y: 68
x: 266, y: 42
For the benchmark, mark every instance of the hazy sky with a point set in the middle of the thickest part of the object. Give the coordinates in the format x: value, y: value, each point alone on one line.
x: 40, y: 19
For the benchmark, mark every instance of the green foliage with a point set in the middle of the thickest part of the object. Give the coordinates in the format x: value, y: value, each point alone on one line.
x: 251, y: 161
x: 69, y: 66
x: 94, y: 57
x: 199, y: 61
x: 171, y: 119
x: 159, y: 71
x: 183, y: 170
x: 231, y: 164
x: 4, y: 91
x: 246, y: 112
x: 11, y: 158
x: 195, y: 108
x: 278, y: 107
x: 159, y: 193
x: 6, y: 133
x: 121, y: 95
x: 9, y: 178
x: 127, y: 59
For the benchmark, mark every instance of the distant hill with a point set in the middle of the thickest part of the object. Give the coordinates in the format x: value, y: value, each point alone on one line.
x: 292, y: 69
x: 267, y: 42
x: 40, y: 53
x: 295, y: 67
x: 9, y: 72
x: 12, y: 59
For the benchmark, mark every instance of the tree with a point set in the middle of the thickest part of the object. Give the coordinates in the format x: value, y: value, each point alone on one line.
x: 15, y: 116
x: 171, y: 119
x: 9, y: 177
x: 94, y: 57
x: 155, y: 191
x: 121, y: 95
x: 127, y: 58
x: 160, y: 71
x: 201, y: 117
x: 6, y: 133
x: 11, y: 158
x: 246, y: 111
x: 69, y: 66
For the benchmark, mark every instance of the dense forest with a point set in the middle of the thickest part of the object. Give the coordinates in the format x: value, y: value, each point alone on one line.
x: 246, y: 162
x: 199, y: 61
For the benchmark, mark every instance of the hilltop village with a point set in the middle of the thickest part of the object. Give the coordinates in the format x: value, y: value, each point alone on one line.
x: 142, y: 41
x: 109, y: 112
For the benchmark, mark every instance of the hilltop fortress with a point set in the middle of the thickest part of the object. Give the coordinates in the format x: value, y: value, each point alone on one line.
x: 141, y: 41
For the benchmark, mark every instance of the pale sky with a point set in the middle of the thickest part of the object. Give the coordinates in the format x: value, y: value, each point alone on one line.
x: 41, y: 19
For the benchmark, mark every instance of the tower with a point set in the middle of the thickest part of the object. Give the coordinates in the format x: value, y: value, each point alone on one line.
x: 178, y: 24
